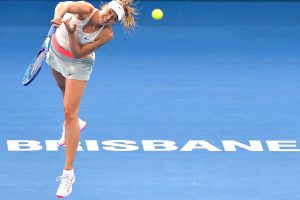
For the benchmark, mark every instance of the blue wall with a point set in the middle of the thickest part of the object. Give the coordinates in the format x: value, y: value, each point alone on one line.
x: 188, y: 13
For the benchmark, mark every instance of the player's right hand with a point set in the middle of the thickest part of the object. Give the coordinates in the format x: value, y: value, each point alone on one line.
x: 57, y: 21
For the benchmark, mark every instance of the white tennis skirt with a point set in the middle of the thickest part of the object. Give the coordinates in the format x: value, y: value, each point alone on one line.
x: 61, y: 61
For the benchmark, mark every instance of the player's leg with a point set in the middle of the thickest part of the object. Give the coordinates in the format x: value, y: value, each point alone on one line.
x: 73, y: 94
x: 60, y: 80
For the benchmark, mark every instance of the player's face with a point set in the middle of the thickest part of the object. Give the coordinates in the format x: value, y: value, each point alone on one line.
x: 107, y: 16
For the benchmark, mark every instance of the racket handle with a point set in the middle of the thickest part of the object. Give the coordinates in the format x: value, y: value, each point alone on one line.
x: 51, y: 31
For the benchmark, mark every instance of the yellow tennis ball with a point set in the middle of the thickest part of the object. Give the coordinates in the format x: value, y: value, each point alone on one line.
x: 157, y: 14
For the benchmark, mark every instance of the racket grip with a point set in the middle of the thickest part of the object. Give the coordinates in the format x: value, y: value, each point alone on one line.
x: 51, y: 31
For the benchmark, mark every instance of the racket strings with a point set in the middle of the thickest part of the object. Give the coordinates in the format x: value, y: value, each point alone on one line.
x: 34, y: 68
x: 36, y: 64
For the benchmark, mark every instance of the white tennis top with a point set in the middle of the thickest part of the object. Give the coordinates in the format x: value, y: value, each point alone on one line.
x: 82, y: 37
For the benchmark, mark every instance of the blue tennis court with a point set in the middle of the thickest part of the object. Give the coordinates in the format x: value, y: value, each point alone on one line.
x: 204, y: 104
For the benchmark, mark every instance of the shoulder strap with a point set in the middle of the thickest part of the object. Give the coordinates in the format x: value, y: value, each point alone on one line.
x: 99, y: 31
x: 91, y: 15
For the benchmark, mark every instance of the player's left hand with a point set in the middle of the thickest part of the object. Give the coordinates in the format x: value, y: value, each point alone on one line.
x: 70, y: 29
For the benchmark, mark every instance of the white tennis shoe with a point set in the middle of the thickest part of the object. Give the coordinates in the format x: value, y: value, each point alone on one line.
x: 65, y: 186
x: 82, y: 126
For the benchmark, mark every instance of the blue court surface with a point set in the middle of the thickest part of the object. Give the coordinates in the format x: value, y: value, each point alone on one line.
x: 202, y: 105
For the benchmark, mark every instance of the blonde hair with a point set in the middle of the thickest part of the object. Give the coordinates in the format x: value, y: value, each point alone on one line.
x: 130, y: 12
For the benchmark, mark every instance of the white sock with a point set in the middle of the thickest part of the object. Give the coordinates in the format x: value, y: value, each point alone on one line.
x: 68, y: 172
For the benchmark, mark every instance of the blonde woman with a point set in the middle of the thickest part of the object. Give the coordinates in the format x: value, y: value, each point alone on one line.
x: 81, y: 29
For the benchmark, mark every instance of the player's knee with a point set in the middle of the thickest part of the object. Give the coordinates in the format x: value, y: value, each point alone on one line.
x: 70, y: 113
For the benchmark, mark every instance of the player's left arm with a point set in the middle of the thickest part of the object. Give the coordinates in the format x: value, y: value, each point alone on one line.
x: 79, y: 50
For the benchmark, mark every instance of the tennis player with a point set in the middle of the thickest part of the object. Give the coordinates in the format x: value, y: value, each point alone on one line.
x: 81, y: 29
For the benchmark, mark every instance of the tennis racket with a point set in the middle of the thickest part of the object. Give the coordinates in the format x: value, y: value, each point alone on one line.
x: 38, y: 61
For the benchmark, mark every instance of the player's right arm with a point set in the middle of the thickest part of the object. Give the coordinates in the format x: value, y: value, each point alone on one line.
x: 81, y: 8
